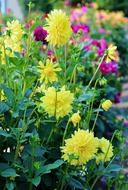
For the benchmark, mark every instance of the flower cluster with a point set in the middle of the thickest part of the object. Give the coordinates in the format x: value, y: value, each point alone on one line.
x: 83, y: 146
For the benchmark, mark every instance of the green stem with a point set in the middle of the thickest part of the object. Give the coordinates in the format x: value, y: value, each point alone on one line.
x: 95, y: 73
x: 62, y: 185
x: 50, y: 135
x: 17, y: 151
x: 96, y: 179
x: 91, y: 106
x: 31, y: 171
x: 109, y: 145
x: 65, y: 132
x: 65, y: 56
x: 94, y: 124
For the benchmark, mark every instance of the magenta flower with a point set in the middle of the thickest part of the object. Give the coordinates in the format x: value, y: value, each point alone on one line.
x: 83, y: 27
x: 40, y: 34
x: 110, y: 67
x: 84, y: 9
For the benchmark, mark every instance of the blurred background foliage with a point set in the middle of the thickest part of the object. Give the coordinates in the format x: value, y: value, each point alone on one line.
x: 47, y: 5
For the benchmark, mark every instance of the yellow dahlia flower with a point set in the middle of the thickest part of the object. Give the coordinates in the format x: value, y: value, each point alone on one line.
x: 57, y: 104
x: 106, y: 105
x: 106, y: 150
x: 4, y: 51
x: 15, y: 46
x: 58, y: 27
x: 16, y: 29
x: 80, y: 148
x: 48, y: 71
x: 111, y: 51
x: 75, y: 118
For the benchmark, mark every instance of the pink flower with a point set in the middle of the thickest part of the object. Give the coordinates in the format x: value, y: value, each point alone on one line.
x: 100, y: 16
x: 67, y: 3
x: 85, y: 38
x: 101, y: 30
x: 27, y: 25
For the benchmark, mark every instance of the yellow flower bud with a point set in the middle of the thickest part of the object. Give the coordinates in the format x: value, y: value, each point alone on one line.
x: 102, y: 82
x: 106, y: 105
x: 75, y: 118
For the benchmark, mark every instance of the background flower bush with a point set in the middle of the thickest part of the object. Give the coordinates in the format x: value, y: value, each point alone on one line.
x: 59, y: 77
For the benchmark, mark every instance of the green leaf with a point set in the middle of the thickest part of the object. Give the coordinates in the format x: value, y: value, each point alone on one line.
x: 76, y: 184
x: 36, y: 181
x: 4, y: 133
x: 114, y: 168
x: 10, y: 185
x: 10, y: 172
x: 9, y: 94
x: 49, y: 167
x: 3, y: 107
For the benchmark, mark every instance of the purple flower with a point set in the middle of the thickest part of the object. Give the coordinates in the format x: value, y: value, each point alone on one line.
x: 40, y: 34
x: 110, y: 67
x: 117, y: 98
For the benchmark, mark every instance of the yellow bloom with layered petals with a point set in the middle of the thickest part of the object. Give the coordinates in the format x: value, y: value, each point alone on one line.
x: 111, y: 53
x: 48, y: 72
x: 57, y: 104
x: 80, y: 148
x: 16, y: 29
x: 106, y: 105
x: 15, y: 46
x: 58, y: 27
x: 75, y: 119
x: 106, y: 150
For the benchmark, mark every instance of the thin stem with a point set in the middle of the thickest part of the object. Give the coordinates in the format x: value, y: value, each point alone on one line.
x: 50, y: 135
x: 73, y: 73
x: 65, y: 57
x: 96, y: 179
x: 31, y: 171
x: 109, y: 145
x: 94, y: 124
x: 65, y: 132
x: 95, y: 73
x: 91, y: 106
